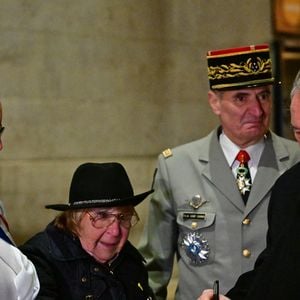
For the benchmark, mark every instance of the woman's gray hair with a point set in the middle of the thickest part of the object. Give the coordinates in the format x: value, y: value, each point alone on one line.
x: 69, y: 220
x: 296, y: 85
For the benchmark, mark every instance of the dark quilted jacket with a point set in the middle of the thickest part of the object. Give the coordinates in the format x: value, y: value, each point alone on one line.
x: 67, y: 272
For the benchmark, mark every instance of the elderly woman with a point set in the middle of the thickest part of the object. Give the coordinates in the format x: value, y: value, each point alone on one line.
x: 84, y: 253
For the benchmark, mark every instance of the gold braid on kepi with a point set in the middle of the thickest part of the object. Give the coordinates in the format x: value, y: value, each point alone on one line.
x: 240, y: 67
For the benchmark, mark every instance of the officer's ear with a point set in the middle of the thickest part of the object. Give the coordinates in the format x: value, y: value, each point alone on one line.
x: 214, y: 101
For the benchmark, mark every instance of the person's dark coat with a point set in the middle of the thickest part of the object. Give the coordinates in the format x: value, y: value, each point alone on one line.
x: 68, y: 272
x: 277, y: 270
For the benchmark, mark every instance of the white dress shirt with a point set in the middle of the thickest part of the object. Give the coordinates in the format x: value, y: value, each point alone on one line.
x: 231, y: 150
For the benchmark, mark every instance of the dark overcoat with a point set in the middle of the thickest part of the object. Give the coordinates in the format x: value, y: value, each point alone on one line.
x: 68, y: 272
x: 277, y: 270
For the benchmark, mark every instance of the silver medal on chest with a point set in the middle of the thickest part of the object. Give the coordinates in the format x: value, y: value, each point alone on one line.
x: 196, y: 247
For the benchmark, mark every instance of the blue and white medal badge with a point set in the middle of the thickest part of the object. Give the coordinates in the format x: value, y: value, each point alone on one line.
x: 195, y: 245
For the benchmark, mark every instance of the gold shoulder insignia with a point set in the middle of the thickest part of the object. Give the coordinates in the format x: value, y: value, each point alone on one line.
x: 167, y: 153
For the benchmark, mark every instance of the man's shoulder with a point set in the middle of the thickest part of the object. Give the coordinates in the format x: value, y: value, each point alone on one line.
x: 285, y: 148
x: 18, y: 272
x: 292, y: 173
x: 286, y: 191
x: 11, y: 257
x: 193, y: 147
x: 290, y: 144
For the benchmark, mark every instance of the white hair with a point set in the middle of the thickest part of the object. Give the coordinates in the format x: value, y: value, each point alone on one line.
x: 296, y: 85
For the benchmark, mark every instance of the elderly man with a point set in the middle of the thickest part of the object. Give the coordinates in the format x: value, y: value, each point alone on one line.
x: 18, y: 280
x: 211, y: 196
x: 277, y: 269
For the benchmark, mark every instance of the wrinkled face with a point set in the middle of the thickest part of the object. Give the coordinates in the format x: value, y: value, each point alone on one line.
x: 103, y: 243
x: 1, y: 145
x: 244, y: 113
x: 295, y: 115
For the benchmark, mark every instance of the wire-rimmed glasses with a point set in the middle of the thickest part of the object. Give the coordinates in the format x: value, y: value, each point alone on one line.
x: 103, y: 218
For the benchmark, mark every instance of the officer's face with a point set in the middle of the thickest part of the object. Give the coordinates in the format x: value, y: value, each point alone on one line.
x: 295, y: 115
x: 106, y: 242
x: 244, y: 113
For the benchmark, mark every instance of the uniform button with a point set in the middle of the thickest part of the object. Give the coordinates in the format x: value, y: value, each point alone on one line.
x: 96, y: 269
x: 246, y: 221
x: 83, y: 279
x: 246, y: 253
x: 194, y: 225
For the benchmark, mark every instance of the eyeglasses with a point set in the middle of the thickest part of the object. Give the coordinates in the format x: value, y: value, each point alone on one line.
x: 102, y: 219
x: 1, y: 130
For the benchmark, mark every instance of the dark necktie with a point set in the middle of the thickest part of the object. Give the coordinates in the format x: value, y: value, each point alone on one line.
x: 243, y: 177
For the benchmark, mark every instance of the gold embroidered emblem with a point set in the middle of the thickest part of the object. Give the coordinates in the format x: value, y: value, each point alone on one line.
x: 250, y: 67
x: 167, y: 153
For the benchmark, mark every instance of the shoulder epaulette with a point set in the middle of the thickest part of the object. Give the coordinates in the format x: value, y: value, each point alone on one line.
x: 167, y: 153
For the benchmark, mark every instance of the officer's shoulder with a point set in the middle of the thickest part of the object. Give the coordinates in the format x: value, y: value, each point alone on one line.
x: 180, y: 150
x: 290, y: 145
x: 167, y: 153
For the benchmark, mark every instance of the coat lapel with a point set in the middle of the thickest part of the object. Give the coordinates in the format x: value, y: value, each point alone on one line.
x: 266, y: 175
x: 219, y: 173
x: 270, y: 167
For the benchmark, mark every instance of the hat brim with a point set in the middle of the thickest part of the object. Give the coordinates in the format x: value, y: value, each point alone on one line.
x: 134, y: 200
x: 241, y: 85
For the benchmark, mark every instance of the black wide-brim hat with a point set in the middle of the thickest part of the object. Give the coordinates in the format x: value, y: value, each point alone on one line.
x: 241, y: 67
x: 100, y: 185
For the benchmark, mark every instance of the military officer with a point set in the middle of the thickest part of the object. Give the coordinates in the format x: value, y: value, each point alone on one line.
x: 211, y: 195
x: 276, y: 272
